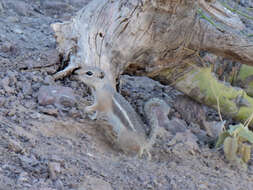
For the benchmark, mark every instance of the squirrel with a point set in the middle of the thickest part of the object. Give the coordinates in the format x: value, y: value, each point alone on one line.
x: 125, y: 129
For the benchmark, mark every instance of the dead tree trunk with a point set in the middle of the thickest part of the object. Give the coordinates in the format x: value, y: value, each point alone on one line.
x: 148, y: 37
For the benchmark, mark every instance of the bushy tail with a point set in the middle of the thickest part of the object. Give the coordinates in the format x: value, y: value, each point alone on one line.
x: 155, y: 110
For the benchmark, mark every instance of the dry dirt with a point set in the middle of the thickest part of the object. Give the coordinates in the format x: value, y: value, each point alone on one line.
x: 48, y: 143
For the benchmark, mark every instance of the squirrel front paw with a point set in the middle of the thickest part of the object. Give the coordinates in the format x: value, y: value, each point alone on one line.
x: 91, y: 112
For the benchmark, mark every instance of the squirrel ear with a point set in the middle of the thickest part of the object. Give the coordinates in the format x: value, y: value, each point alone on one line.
x: 102, y: 75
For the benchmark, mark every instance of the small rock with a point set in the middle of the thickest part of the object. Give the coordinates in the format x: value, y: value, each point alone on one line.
x: 28, y: 63
x: 1, y: 7
x: 30, y: 104
x: 176, y: 125
x: 75, y: 113
x: 5, y: 83
x: 59, y: 184
x: 27, y: 88
x: 12, y: 77
x: 2, y: 101
x: 91, y: 183
x: 56, y: 5
x: 2, y: 92
x: 49, y: 80
x: 49, y: 111
x: 35, y: 115
x: 52, y: 56
x: 28, y: 161
x: 18, y: 30
x: 13, y: 19
x: 21, y: 8
x: 45, y: 96
x: 64, y: 100
x: 23, y: 178
x: 56, y: 95
x: 11, y: 112
x: 188, y: 141
x: 216, y: 127
x: 54, y: 169
x: 6, y: 47
x: 15, y: 146
x: 192, y: 112
x: 56, y: 158
x: 203, y: 137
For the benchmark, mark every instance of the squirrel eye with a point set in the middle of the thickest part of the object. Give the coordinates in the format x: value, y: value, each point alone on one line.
x: 89, y: 73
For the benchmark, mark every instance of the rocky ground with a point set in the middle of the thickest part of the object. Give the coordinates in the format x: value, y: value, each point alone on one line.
x: 48, y: 143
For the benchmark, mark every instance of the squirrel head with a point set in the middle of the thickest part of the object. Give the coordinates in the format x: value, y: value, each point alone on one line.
x: 92, y: 76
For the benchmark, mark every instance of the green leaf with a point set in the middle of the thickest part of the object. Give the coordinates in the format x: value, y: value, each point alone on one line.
x: 246, y: 135
x: 233, y: 128
x: 221, y: 138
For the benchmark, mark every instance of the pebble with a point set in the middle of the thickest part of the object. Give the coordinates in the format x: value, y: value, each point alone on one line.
x: 52, y: 56
x: 94, y: 183
x: 48, y: 4
x: 59, y: 184
x: 15, y: 146
x: 27, y: 88
x: 21, y: 8
x: 13, y: 19
x: 5, y: 83
x: 30, y: 104
x: 6, y: 47
x: 49, y: 80
x: 176, y: 125
x: 23, y: 177
x: 18, y: 30
x: 2, y: 101
x: 49, y: 111
x: 11, y: 112
x: 1, y: 7
x: 185, y: 140
x: 54, y: 169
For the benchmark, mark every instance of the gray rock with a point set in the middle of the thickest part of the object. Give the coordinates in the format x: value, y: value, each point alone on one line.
x: 2, y: 101
x: 49, y: 80
x: 91, y: 183
x: 5, y: 82
x: 56, y: 95
x: 1, y: 7
x: 27, y: 88
x: 52, y: 56
x: 15, y: 146
x: 184, y: 142
x: 49, y: 111
x: 54, y: 169
x: 55, y: 5
x: 6, y: 47
x: 176, y: 125
x: 23, y: 177
x: 21, y: 8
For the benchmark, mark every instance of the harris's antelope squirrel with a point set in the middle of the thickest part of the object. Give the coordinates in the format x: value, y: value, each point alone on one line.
x: 126, y: 128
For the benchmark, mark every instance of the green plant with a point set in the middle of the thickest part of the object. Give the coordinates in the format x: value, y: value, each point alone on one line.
x: 237, y: 142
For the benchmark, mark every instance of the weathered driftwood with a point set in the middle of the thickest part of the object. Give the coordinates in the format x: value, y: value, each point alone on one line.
x: 157, y: 38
